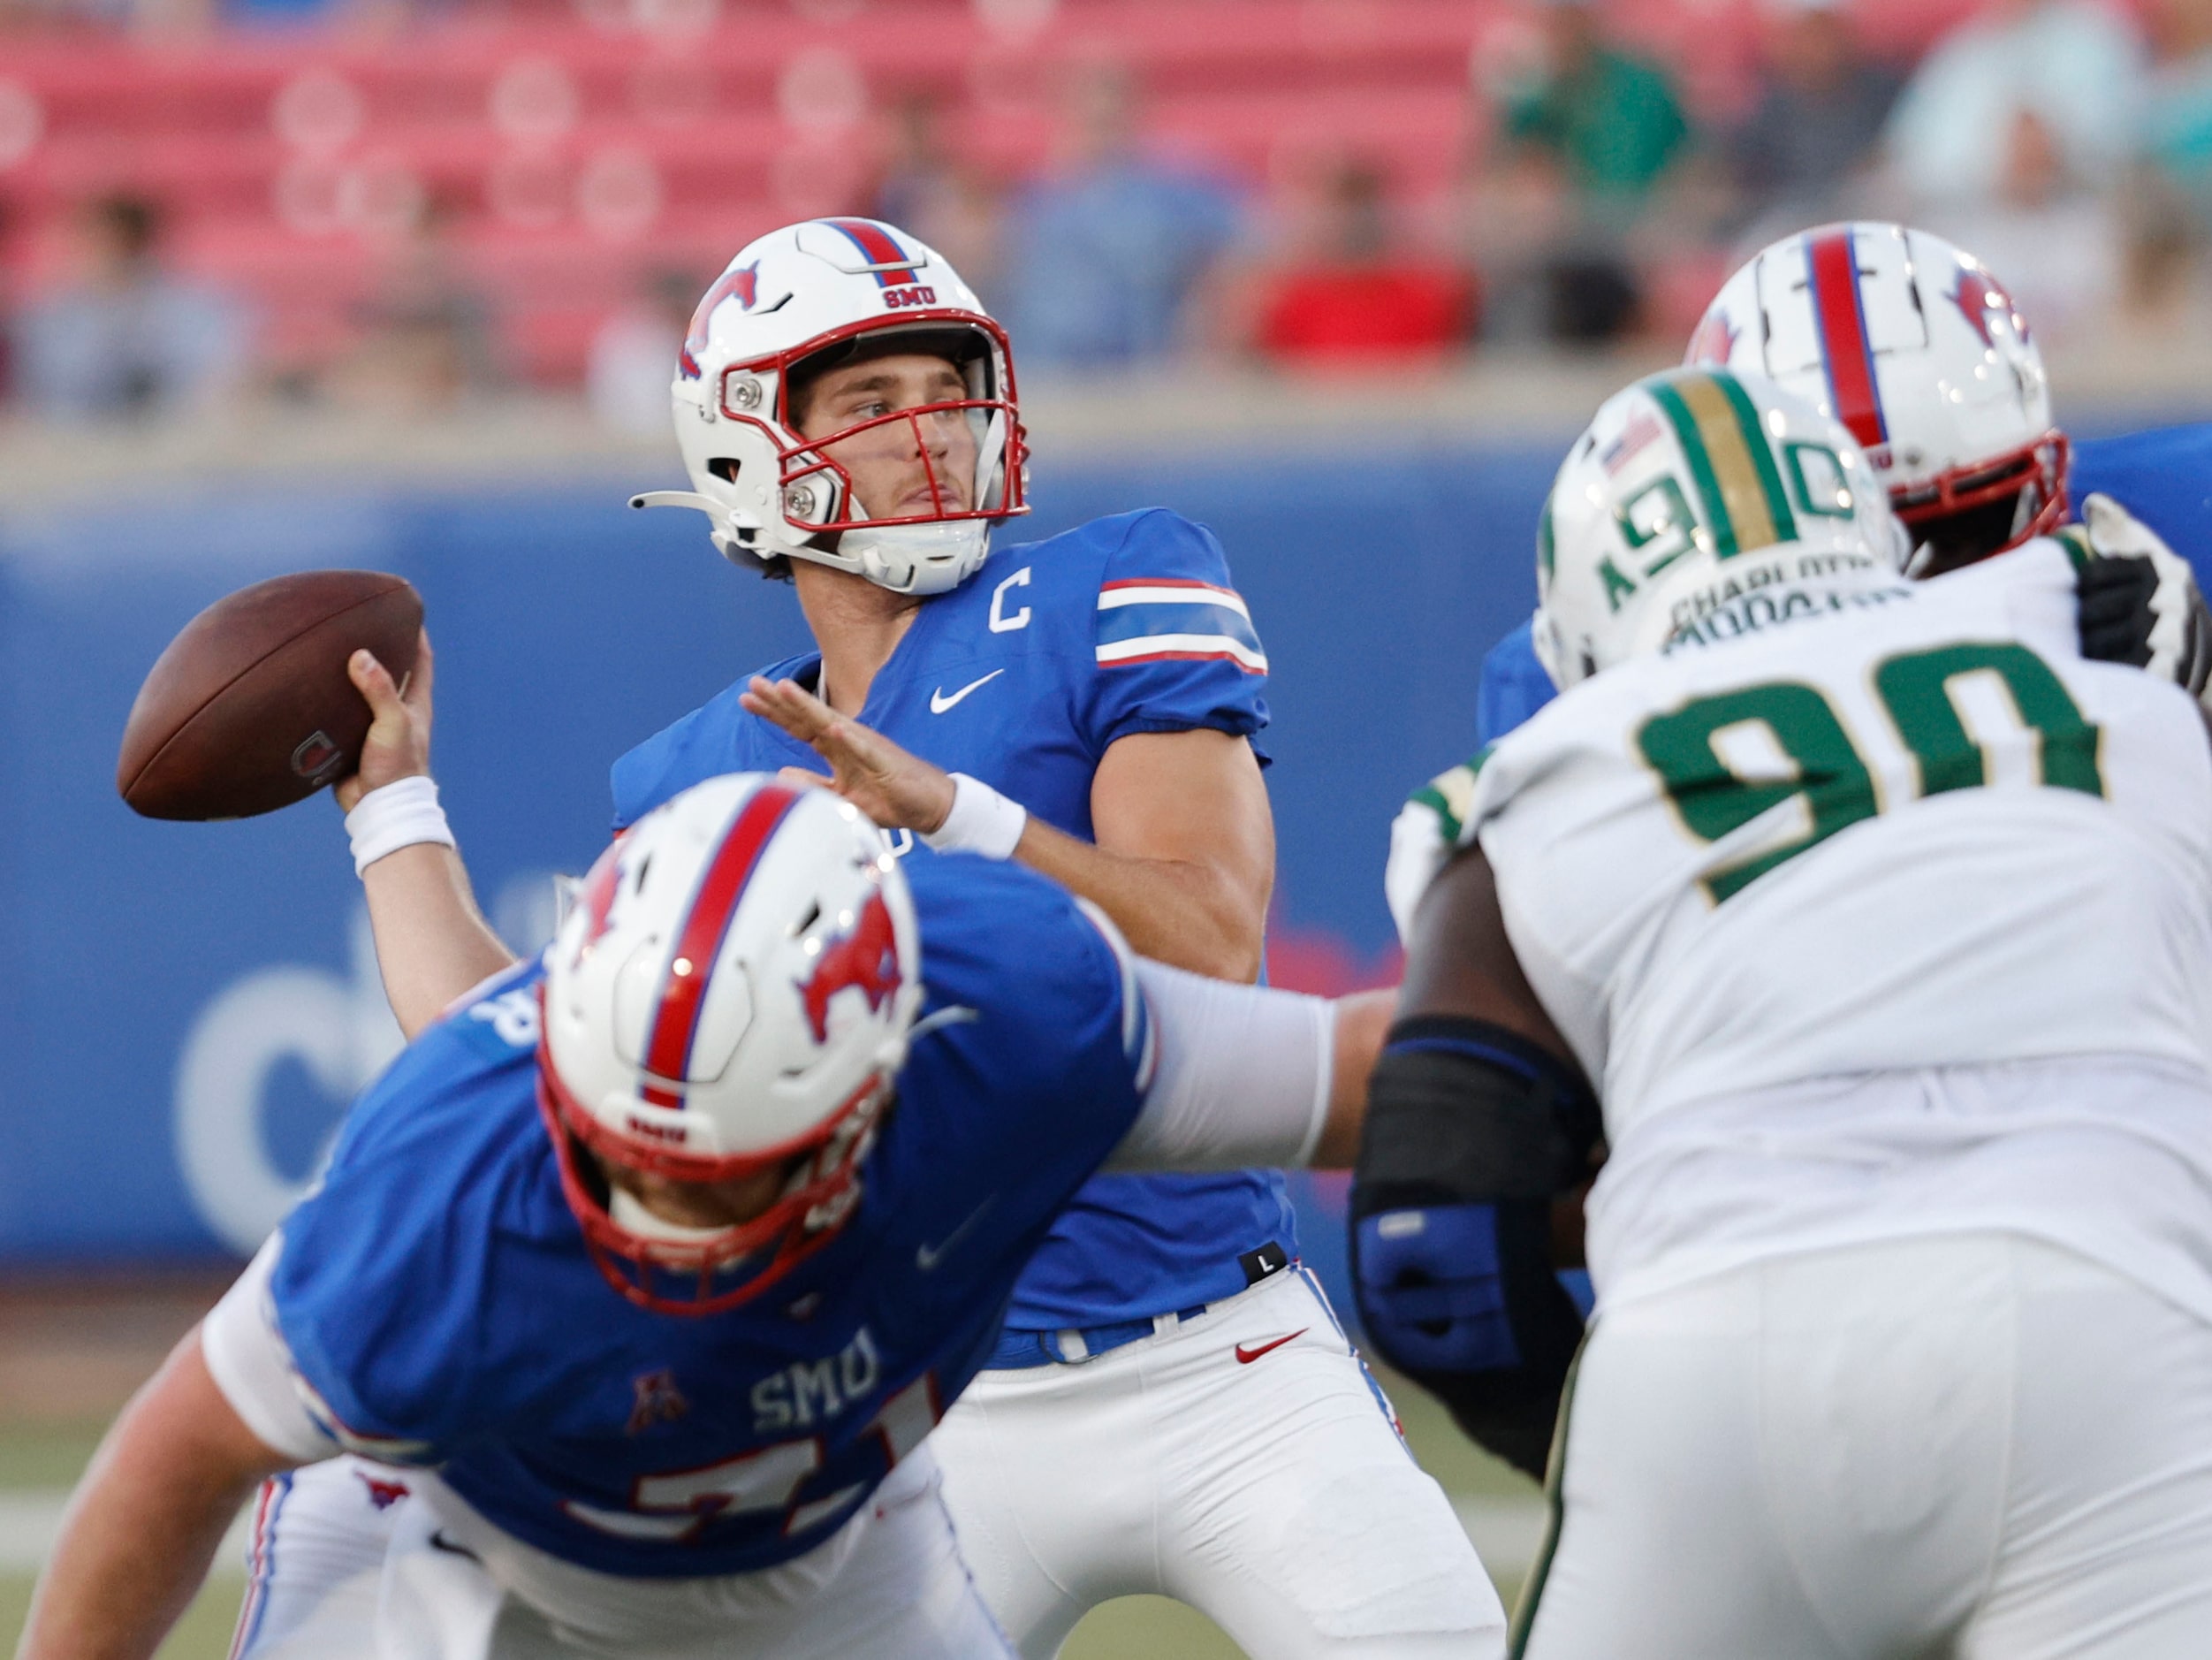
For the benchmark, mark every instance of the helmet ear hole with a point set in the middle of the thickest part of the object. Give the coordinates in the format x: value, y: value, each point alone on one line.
x: 724, y: 468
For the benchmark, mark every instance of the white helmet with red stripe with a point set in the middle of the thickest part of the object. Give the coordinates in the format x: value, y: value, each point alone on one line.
x: 807, y: 298
x: 1919, y: 351
x: 730, y: 996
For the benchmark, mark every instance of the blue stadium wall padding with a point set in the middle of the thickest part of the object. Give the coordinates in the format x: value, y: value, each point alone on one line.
x: 187, y: 1008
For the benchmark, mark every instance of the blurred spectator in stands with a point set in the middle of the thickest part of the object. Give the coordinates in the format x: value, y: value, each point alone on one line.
x: 1611, y: 118
x: 2052, y: 238
x: 1109, y: 253
x: 2178, y: 123
x: 2076, y: 65
x: 1352, y: 295
x: 1517, y: 212
x: 1589, y: 137
x: 1815, y: 120
x: 633, y: 356
x: 127, y: 338
x: 945, y: 200
x: 427, y: 341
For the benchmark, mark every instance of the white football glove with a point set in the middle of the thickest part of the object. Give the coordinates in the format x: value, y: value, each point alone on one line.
x: 1427, y: 831
x: 2138, y: 600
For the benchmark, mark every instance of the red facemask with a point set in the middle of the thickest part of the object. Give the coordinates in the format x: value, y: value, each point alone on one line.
x: 2038, y: 470
x: 736, y: 1264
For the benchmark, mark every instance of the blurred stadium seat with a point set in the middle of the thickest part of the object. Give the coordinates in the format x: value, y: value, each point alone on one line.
x: 581, y: 156
x: 585, y: 155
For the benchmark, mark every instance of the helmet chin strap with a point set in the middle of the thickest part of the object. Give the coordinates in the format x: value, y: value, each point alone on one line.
x: 918, y: 558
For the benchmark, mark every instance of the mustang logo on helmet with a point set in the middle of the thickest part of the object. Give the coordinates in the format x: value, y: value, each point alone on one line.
x: 866, y: 958
x: 1715, y: 342
x: 597, y: 899
x: 1980, y: 297
x: 740, y: 283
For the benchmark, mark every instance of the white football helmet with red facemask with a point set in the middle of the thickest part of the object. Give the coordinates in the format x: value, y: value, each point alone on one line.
x: 807, y: 298
x: 730, y: 996
x: 1919, y: 351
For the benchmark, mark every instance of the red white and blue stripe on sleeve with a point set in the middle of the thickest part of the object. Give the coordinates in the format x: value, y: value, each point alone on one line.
x: 1165, y: 619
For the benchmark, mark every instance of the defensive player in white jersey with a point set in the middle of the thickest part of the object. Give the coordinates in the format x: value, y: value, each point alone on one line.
x: 1875, y: 916
x: 1917, y: 347
x: 1087, y: 705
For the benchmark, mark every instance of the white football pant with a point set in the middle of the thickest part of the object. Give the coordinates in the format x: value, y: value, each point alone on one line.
x: 354, y: 1561
x: 1973, y: 1445
x: 1243, y: 1462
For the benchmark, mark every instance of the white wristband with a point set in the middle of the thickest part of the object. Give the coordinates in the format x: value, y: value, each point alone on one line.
x: 400, y: 814
x: 981, y: 820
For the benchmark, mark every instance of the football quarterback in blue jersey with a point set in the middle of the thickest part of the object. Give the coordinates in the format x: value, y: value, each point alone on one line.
x: 646, y: 1272
x: 1087, y: 706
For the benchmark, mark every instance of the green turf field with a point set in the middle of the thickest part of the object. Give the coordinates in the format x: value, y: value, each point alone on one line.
x: 48, y: 1458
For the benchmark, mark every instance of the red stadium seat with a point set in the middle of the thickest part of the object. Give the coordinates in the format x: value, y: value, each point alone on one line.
x: 573, y: 158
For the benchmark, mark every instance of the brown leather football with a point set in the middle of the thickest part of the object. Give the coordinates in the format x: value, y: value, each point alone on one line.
x: 250, y: 709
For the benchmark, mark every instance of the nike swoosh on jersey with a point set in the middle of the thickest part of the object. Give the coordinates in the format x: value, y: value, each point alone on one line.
x: 940, y: 703
x: 1245, y: 1357
x: 928, y: 1256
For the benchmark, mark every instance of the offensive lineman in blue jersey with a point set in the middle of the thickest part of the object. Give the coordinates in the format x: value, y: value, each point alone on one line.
x: 651, y: 1269
x: 1918, y: 350
x: 1087, y: 704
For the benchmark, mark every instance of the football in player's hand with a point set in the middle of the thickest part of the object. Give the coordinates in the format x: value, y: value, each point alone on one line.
x: 250, y: 708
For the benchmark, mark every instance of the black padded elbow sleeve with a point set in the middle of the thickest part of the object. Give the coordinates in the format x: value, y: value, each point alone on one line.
x: 1470, y: 1132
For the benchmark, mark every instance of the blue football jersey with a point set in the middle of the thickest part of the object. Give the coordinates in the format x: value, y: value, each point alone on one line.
x: 1022, y: 677
x: 2163, y: 476
x: 1513, y: 687
x: 435, y: 1293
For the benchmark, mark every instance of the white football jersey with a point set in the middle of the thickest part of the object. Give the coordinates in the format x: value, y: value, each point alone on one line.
x: 1906, y: 839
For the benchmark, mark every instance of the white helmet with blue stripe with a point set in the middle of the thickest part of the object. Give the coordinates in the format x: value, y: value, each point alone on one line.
x: 802, y: 300
x: 1915, y: 347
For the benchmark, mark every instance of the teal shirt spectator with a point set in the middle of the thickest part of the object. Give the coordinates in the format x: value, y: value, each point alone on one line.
x: 2178, y: 122
x: 2076, y: 65
x: 1613, y: 123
